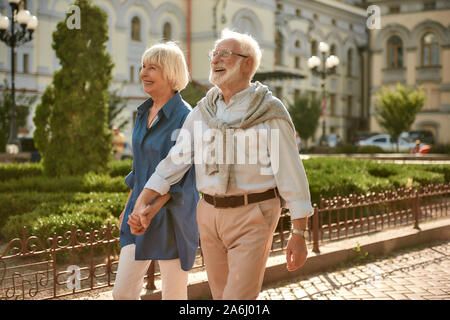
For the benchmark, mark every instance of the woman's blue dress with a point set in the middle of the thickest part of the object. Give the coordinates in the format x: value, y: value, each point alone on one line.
x: 173, y: 232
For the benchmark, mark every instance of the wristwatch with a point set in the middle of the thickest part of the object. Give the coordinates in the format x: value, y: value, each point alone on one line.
x: 300, y: 232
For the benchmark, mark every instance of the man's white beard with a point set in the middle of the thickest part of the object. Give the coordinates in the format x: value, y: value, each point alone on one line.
x: 230, y: 75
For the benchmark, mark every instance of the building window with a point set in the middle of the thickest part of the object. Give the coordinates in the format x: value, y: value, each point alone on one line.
x: 314, y: 48
x: 297, y: 62
x: 136, y: 29
x: 395, y: 52
x: 279, y: 42
x: 333, y: 22
x: 431, y: 5
x: 351, y: 26
x: 132, y: 74
x: 350, y: 62
x: 332, y: 104
x: 430, y: 50
x: 349, y: 105
x: 394, y: 9
x: 333, y: 49
x: 316, y: 16
x: 298, y: 12
x: 279, y: 7
x: 167, y: 32
x: 297, y: 44
x: 25, y: 63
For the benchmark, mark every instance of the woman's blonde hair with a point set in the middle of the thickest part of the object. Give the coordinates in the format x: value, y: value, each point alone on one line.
x: 172, y: 62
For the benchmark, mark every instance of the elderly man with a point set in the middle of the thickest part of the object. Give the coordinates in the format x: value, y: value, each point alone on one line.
x: 241, y: 198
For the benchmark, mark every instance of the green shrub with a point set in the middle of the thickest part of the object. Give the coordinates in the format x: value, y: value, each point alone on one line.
x: 16, y: 171
x: 369, y: 149
x: 120, y: 168
x: 44, y: 204
x: 88, y: 183
x: 440, y: 148
x: 347, y: 148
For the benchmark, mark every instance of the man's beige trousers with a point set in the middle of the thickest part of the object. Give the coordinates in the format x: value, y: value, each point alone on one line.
x: 236, y: 243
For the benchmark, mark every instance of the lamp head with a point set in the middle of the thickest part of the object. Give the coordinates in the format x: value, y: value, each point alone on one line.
x: 4, y: 23
x: 324, y: 47
x: 313, y: 62
x: 23, y: 17
x: 32, y: 23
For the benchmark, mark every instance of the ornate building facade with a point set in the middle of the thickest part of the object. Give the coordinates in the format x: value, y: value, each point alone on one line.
x: 413, y: 48
x: 288, y: 31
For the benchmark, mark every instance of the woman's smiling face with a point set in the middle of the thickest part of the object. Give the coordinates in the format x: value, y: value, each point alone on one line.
x: 153, y: 80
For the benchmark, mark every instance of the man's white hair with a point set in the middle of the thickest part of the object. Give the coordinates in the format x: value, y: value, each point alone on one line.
x: 172, y: 62
x: 249, y: 46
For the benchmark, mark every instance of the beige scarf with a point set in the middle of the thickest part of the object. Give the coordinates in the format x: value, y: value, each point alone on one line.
x: 262, y: 107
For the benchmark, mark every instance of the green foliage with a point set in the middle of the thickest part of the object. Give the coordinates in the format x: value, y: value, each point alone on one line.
x: 13, y: 171
x: 396, y: 110
x: 370, y: 149
x: 305, y: 114
x: 440, y: 148
x: 23, y: 103
x: 71, y: 121
x: 120, y: 168
x: 193, y: 93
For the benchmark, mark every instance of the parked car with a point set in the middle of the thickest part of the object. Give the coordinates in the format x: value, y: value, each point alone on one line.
x: 424, y: 136
x: 363, y: 136
x: 385, y: 142
x: 27, y: 146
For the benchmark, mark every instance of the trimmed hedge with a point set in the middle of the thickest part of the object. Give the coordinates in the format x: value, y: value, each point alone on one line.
x: 46, y: 204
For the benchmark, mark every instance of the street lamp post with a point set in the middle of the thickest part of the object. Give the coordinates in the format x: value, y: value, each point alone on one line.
x: 328, y: 67
x: 13, y: 38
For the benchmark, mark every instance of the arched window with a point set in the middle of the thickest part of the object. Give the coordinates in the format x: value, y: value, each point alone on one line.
x: 350, y: 62
x: 297, y: 44
x: 395, y: 53
x: 333, y: 49
x: 136, y: 29
x: 167, y: 31
x: 279, y: 42
x: 430, y: 50
x: 314, y: 48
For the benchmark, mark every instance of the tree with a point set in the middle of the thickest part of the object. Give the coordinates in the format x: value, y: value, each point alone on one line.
x: 193, y: 93
x: 71, y: 121
x: 396, y: 110
x: 116, y: 105
x: 23, y: 103
x: 305, y: 114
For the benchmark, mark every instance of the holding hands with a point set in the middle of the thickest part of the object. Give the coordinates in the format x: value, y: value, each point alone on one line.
x: 143, y: 212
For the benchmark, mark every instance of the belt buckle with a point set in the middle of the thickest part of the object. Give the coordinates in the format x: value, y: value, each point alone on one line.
x: 245, y: 199
x: 214, y: 201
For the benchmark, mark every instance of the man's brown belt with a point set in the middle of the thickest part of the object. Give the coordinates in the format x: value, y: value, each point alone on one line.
x: 237, y: 201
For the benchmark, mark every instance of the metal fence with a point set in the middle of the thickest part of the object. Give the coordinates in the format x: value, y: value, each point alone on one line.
x: 82, y: 261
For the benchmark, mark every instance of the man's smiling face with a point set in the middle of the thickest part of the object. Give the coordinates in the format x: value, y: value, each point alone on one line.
x: 226, y: 70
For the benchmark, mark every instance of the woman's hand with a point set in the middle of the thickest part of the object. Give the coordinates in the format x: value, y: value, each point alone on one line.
x: 136, y: 227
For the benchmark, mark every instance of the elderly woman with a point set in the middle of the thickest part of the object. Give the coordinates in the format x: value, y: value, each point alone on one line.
x: 172, y: 237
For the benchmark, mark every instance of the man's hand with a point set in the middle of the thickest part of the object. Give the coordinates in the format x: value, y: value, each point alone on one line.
x: 296, y: 252
x: 146, y: 215
x: 136, y: 227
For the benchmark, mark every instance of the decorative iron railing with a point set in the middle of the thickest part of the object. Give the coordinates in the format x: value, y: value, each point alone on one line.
x: 81, y: 261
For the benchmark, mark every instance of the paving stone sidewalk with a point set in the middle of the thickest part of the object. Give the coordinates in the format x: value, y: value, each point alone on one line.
x: 413, y: 274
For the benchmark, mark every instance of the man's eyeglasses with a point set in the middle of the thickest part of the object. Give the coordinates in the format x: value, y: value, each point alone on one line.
x: 223, y: 54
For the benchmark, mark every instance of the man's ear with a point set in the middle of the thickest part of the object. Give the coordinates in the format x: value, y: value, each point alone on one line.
x: 247, y: 65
